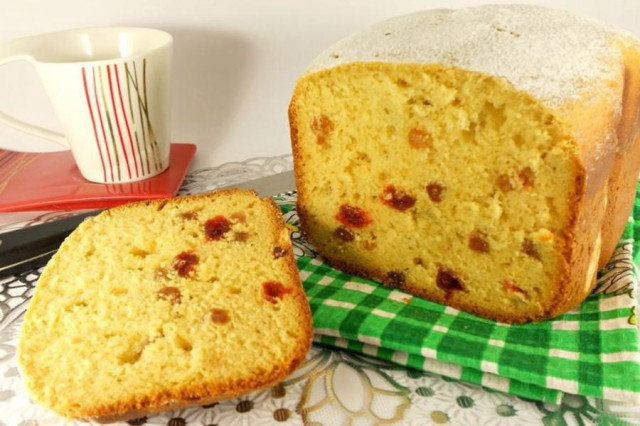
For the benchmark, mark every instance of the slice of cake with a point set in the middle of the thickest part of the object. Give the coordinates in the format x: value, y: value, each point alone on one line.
x: 484, y: 158
x: 157, y: 305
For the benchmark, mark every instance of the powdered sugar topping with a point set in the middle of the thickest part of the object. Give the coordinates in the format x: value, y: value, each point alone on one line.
x: 549, y: 53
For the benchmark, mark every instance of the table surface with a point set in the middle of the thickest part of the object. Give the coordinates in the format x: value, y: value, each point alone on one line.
x: 235, y: 61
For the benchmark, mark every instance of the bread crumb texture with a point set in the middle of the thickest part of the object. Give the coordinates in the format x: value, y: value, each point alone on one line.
x: 164, y: 304
x: 445, y: 183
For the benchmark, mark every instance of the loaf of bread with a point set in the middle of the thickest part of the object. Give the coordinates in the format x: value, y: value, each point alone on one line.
x: 484, y: 158
x: 163, y: 304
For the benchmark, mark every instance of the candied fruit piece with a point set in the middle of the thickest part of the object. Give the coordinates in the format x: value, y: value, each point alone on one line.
x: 527, y: 177
x: 344, y: 234
x: 172, y: 294
x: 510, y: 287
x: 219, y: 316
x: 322, y: 127
x: 240, y: 236
x: 239, y: 217
x: 419, y: 139
x: 137, y: 251
x: 448, y: 281
x: 395, y: 279
x: 504, y: 183
x: 161, y: 273
x: 478, y: 242
x: 435, y: 191
x: 397, y: 199
x: 216, y: 228
x: 274, y: 291
x: 353, y: 217
x: 529, y: 248
x: 185, y: 262
x: 279, y: 252
x: 189, y: 215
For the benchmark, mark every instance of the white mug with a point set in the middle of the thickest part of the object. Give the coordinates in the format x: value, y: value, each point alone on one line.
x: 110, y: 88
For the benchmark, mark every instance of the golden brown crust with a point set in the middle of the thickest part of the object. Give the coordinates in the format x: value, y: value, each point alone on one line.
x: 626, y: 164
x: 610, y: 151
x: 189, y: 396
x: 568, y: 285
x: 298, y: 160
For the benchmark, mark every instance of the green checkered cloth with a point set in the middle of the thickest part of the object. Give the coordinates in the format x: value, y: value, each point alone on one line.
x: 591, y: 351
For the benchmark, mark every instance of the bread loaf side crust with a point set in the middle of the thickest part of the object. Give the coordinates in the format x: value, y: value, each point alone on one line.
x: 607, y: 135
x: 623, y: 178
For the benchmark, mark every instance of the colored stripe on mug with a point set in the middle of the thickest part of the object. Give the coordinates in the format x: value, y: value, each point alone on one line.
x: 120, y: 120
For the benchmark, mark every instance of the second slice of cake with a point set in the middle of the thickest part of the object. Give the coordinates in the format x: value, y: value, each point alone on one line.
x: 157, y: 305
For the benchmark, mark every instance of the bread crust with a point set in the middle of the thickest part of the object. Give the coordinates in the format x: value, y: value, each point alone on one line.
x: 621, y: 188
x: 608, y: 136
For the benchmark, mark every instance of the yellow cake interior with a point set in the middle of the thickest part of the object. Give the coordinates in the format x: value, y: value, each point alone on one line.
x: 467, y: 183
x: 146, y: 305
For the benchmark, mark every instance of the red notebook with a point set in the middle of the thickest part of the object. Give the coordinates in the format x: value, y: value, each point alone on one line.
x: 51, y: 181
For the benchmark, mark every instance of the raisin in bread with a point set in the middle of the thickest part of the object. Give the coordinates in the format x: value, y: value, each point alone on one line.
x: 162, y: 304
x: 485, y: 158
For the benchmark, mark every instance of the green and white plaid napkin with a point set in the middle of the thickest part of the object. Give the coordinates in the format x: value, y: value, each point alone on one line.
x: 591, y: 351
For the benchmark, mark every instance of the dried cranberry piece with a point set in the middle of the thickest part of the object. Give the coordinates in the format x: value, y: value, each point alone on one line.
x: 344, y: 234
x: 185, y: 263
x: 219, y: 316
x: 435, y: 191
x: 530, y: 249
x: 448, y: 281
x: 279, y: 252
x: 274, y: 291
x: 353, y: 217
x: 478, y: 242
x: 172, y: 294
x: 216, y: 228
x: 397, y: 199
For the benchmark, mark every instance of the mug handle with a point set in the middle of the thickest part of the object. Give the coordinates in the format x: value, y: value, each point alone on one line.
x: 8, y: 53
